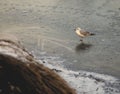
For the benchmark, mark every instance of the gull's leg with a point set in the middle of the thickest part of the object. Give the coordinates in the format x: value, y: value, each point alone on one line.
x: 81, y: 40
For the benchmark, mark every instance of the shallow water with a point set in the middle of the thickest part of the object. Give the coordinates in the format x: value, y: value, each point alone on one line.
x: 48, y: 28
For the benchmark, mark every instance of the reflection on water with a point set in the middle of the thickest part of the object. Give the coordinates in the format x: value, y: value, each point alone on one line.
x: 82, y: 47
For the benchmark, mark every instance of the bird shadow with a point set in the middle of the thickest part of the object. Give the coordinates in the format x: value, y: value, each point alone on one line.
x: 83, y: 47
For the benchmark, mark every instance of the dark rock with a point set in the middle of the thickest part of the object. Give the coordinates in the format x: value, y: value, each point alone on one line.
x: 23, y: 75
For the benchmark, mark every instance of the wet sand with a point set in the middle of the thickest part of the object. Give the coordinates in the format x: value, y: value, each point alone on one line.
x: 48, y: 28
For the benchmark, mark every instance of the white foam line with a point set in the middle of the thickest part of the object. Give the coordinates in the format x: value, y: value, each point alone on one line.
x: 87, y: 82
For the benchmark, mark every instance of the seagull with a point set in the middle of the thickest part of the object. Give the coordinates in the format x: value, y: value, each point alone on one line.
x: 82, y: 33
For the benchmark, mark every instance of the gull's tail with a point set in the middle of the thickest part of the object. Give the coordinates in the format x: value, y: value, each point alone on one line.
x: 92, y: 34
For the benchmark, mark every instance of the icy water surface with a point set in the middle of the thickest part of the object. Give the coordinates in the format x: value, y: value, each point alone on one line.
x: 47, y: 27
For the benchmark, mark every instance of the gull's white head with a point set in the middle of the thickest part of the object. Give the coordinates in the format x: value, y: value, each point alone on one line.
x: 78, y: 32
x: 78, y: 29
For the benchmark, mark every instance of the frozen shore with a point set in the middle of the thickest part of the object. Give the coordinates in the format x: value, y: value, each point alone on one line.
x: 84, y: 82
